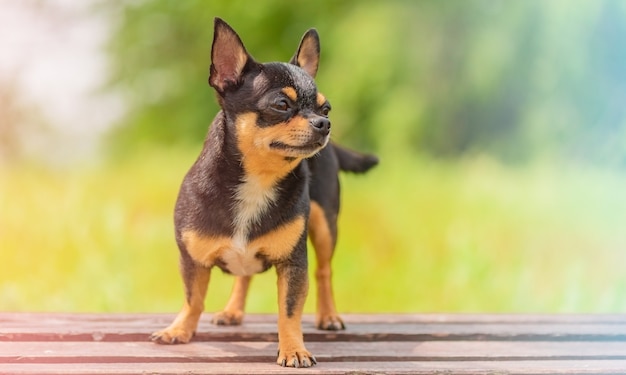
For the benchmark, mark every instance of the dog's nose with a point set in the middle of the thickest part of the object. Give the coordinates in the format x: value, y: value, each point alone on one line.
x: 321, y: 125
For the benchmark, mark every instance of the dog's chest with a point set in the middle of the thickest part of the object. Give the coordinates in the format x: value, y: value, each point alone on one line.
x: 239, y: 253
x: 252, y: 200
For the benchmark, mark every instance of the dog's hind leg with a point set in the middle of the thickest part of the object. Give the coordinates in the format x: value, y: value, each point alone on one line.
x: 234, y: 310
x: 323, y: 235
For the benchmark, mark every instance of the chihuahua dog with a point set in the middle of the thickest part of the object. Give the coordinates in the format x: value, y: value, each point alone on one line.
x: 266, y: 176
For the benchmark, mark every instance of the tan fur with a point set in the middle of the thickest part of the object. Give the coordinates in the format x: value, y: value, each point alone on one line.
x: 279, y: 243
x: 186, y: 322
x: 291, y: 93
x: 320, y: 235
x: 259, y: 159
x: 233, y: 312
x: 205, y: 249
x: 242, y: 261
x: 321, y: 99
x: 290, y: 339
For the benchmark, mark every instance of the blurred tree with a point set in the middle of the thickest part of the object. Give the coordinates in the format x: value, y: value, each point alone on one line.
x: 10, y: 116
x: 22, y: 124
x: 515, y: 79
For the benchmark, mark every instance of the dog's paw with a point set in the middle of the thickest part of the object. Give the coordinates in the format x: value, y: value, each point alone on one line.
x: 330, y: 323
x: 172, y: 336
x: 227, y: 318
x: 295, y: 358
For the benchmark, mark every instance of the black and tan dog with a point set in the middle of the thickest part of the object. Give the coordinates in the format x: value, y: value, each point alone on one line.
x: 266, y: 174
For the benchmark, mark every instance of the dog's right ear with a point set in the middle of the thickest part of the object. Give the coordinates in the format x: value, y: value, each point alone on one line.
x: 228, y: 57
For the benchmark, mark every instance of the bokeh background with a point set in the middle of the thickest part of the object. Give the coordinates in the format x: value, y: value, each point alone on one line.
x: 500, y: 125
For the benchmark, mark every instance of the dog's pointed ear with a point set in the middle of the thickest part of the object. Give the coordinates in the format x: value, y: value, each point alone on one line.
x: 308, y: 54
x: 228, y: 57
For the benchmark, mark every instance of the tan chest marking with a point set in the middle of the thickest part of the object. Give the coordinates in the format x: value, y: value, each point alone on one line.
x: 241, y: 259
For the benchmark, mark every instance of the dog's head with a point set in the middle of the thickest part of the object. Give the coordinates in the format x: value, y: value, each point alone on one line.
x: 275, y: 107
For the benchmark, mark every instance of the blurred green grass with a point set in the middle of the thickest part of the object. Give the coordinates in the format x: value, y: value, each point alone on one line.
x: 416, y: 234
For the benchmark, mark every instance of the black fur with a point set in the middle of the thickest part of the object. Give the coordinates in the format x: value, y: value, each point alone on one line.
x: 218, y: 217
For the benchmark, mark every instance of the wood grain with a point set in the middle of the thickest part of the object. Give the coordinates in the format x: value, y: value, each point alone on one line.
x: 485, y: 344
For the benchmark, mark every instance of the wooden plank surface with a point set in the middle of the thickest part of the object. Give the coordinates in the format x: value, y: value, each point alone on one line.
x: 516, y: 344
x: 64, y: 352
x: 477, y: 367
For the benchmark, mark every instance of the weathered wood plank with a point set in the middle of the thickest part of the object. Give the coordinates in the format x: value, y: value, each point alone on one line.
x: 78, y: 327
x: 378, y: 344
x: 136, y: 352
x: 469, y: 367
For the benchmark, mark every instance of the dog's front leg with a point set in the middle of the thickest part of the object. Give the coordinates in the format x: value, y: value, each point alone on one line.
x: 234, y: 310
x: 292, y: 290
x: 196, y: 279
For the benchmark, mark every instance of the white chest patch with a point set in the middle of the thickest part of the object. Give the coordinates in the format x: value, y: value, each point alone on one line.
x: 242, y: 264
x: 251, y: 201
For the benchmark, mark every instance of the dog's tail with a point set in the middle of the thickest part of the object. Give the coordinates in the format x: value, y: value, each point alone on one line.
x: 352, y: 161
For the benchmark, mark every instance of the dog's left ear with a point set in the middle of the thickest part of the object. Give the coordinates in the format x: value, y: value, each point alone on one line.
x: 308, y: 54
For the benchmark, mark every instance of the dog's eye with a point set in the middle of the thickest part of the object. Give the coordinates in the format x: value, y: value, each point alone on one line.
x: 325, y: 110
x: 281, y: 105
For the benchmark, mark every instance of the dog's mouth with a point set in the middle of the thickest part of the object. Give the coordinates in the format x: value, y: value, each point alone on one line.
x: 300, y: 150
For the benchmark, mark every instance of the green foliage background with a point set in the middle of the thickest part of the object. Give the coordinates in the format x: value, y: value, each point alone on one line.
x: 501, y: 128
x: 416, y: 235
x: 519, y: 80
